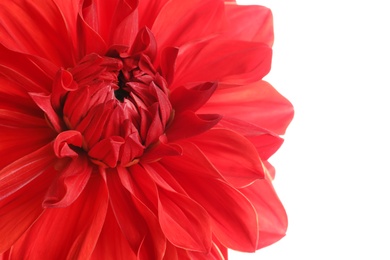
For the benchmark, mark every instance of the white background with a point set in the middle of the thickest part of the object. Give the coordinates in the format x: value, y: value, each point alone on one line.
x: 332, y: 61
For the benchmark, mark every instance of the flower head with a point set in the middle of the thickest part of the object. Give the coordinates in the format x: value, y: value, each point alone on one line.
x: 137, y: 129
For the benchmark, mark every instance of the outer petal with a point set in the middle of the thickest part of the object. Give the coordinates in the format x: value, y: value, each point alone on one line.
x: 207, y: 61
x: 50, y: 37
x: 130, y: 222
x: 22, y: 188
x: 272, y: 216
x: 232, y: 154
x: 265, y: 141
x: 52, y: 228
x: 234, y: 219
x: 143, y: 194
x: 259, y: 104
x: 184, y: 222
x: 112, y: 244
x: 35, y: 75
x: 18, y: 141
x: 249, y: 23
x: 204, y: 17
x: 116, y: 21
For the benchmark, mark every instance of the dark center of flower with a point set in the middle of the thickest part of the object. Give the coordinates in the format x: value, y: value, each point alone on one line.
x: 121, y: 93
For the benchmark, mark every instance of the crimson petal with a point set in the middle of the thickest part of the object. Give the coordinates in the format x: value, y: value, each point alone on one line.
x: 249, y: 23
x: 112, y: 244
x: 272, y: 216
x: 69, y: 185
x: 232, y: 154
x: 188, y: 124
x: 184, y: 222
x: 204, y: 17
x: 206, y: 61
x: 22, y: 187
x: 258, y: 103
x: 20, y: 18
x: 234, y: 219
x: 77, y: 242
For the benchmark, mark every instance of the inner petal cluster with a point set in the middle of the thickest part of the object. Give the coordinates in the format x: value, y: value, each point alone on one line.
x: 117, y: 105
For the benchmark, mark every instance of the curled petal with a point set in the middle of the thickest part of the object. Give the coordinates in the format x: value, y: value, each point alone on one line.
x: 188, y: 124
x: 183, y: 98
x: 62, y: 142
x: 63, y: 83
x: 44, y: 103
x: 69, y: 185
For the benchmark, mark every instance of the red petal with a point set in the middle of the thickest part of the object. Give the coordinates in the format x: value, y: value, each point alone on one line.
x: 126, y: 213
x: 163, y: 178
x: 266, y: 142
x: 184, y: 222
x: 44, y: 103
x: 115, y: 20
x: 49, y: 38
x: 232, y: 154
x: 207, y: 62
x: 71, y: 232
x: 33, y: 76
x: 234, y: 220
x: 249, y: 23
x: 70, y: 183
x: 183, y: 98
x: 168, y: 60
x: 204, y: 17
x: 107, y: 151
x: 144, y: 196
x: 188, y: 124
x: 22, y: 187
x: 159, y: 150
x: 19, y: 142
x: 272, y: 216
x: 112, y: 244
x: 63, y: 140
x: 148, y: 11
x: 12, y: 118
x: 259, y: 104
x: 214, y: 254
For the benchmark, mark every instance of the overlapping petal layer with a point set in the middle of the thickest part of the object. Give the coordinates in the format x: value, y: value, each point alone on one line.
x: 137, y: 129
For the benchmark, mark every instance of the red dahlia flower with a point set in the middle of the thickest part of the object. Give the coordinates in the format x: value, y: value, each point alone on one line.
x: 137, y: 129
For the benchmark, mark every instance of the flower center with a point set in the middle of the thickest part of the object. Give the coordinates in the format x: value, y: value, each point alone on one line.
x: 111, y: 107
x: 118, y: 105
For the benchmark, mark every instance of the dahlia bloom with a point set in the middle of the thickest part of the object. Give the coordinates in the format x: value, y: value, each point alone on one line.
x: 137, y: 129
